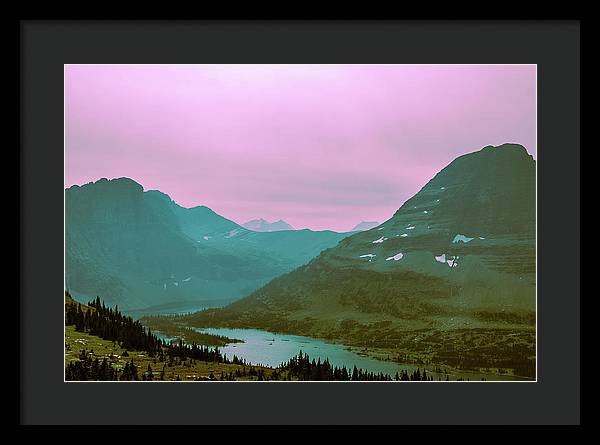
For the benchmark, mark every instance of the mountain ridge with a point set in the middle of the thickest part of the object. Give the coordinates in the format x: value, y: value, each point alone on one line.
x: 140, y: 248
x: 463, y: 245
x: 262, y: 225
x: 364, y: 225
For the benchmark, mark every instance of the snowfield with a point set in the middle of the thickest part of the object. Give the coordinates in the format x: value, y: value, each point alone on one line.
x: 396, y: 257
x: 380, y: 240
x: 461, y: 238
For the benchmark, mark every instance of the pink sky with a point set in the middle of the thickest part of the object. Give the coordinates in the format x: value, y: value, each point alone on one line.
x: 320, y: 146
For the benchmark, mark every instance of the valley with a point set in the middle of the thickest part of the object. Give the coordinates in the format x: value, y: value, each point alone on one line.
x: 140, y: 249
x: 101, y: 344
x: 449, y: 280
x: 447, y: 284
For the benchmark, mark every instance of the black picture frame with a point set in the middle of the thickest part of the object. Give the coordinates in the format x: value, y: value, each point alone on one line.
x: 45, y: 46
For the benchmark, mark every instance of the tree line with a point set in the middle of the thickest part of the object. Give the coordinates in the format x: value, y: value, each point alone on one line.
x: 88, y: 368
x: 301, y: 367
x: 110, y: 324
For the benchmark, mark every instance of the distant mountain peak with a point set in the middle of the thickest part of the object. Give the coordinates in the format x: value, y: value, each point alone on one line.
x: 141, y: 249
x: 364, y: 225
x: 262, y: 225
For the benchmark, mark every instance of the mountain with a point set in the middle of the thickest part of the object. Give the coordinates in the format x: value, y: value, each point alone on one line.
x: 261, y: 225
x: 139, y: 248
x: 457, y: 256
x: 364, y: 225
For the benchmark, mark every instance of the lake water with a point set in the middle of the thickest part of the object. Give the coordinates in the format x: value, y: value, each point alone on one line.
x: 266, y: 348
x: 270, y: 349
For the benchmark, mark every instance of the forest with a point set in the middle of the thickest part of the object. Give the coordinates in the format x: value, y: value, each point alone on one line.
x: 110, y: 324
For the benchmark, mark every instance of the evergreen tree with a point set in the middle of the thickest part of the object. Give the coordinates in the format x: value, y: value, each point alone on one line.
x: 149, y: 375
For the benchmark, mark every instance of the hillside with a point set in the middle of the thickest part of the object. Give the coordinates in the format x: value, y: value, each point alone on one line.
x: 141, y: 249
x: 458, y: 255
x: 102, y: 344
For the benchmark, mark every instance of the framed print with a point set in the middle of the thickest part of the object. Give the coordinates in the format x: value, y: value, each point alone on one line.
x: 333, y: 222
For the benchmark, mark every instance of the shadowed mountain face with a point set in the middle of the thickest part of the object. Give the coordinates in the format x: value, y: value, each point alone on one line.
x: 364, y: 225
x: 458, y: 254
x: 139, y: 249
x: 261, y: 225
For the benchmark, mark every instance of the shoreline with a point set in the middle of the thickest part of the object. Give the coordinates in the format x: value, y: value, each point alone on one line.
x: 385, y: 355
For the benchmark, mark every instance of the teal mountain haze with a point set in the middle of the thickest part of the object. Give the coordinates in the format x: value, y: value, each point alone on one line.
x: 364, y: 225
x: 261, y: 225
x: 140, y: 249
x: 459, y: 253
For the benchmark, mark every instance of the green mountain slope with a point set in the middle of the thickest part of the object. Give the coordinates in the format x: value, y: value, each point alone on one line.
x: 139, y: 249
x: 460, y: 254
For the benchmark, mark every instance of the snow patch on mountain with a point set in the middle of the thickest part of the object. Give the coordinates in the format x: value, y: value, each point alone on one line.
x: 450, y: 260
x: 396, y: 257
x: 461, y: 238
